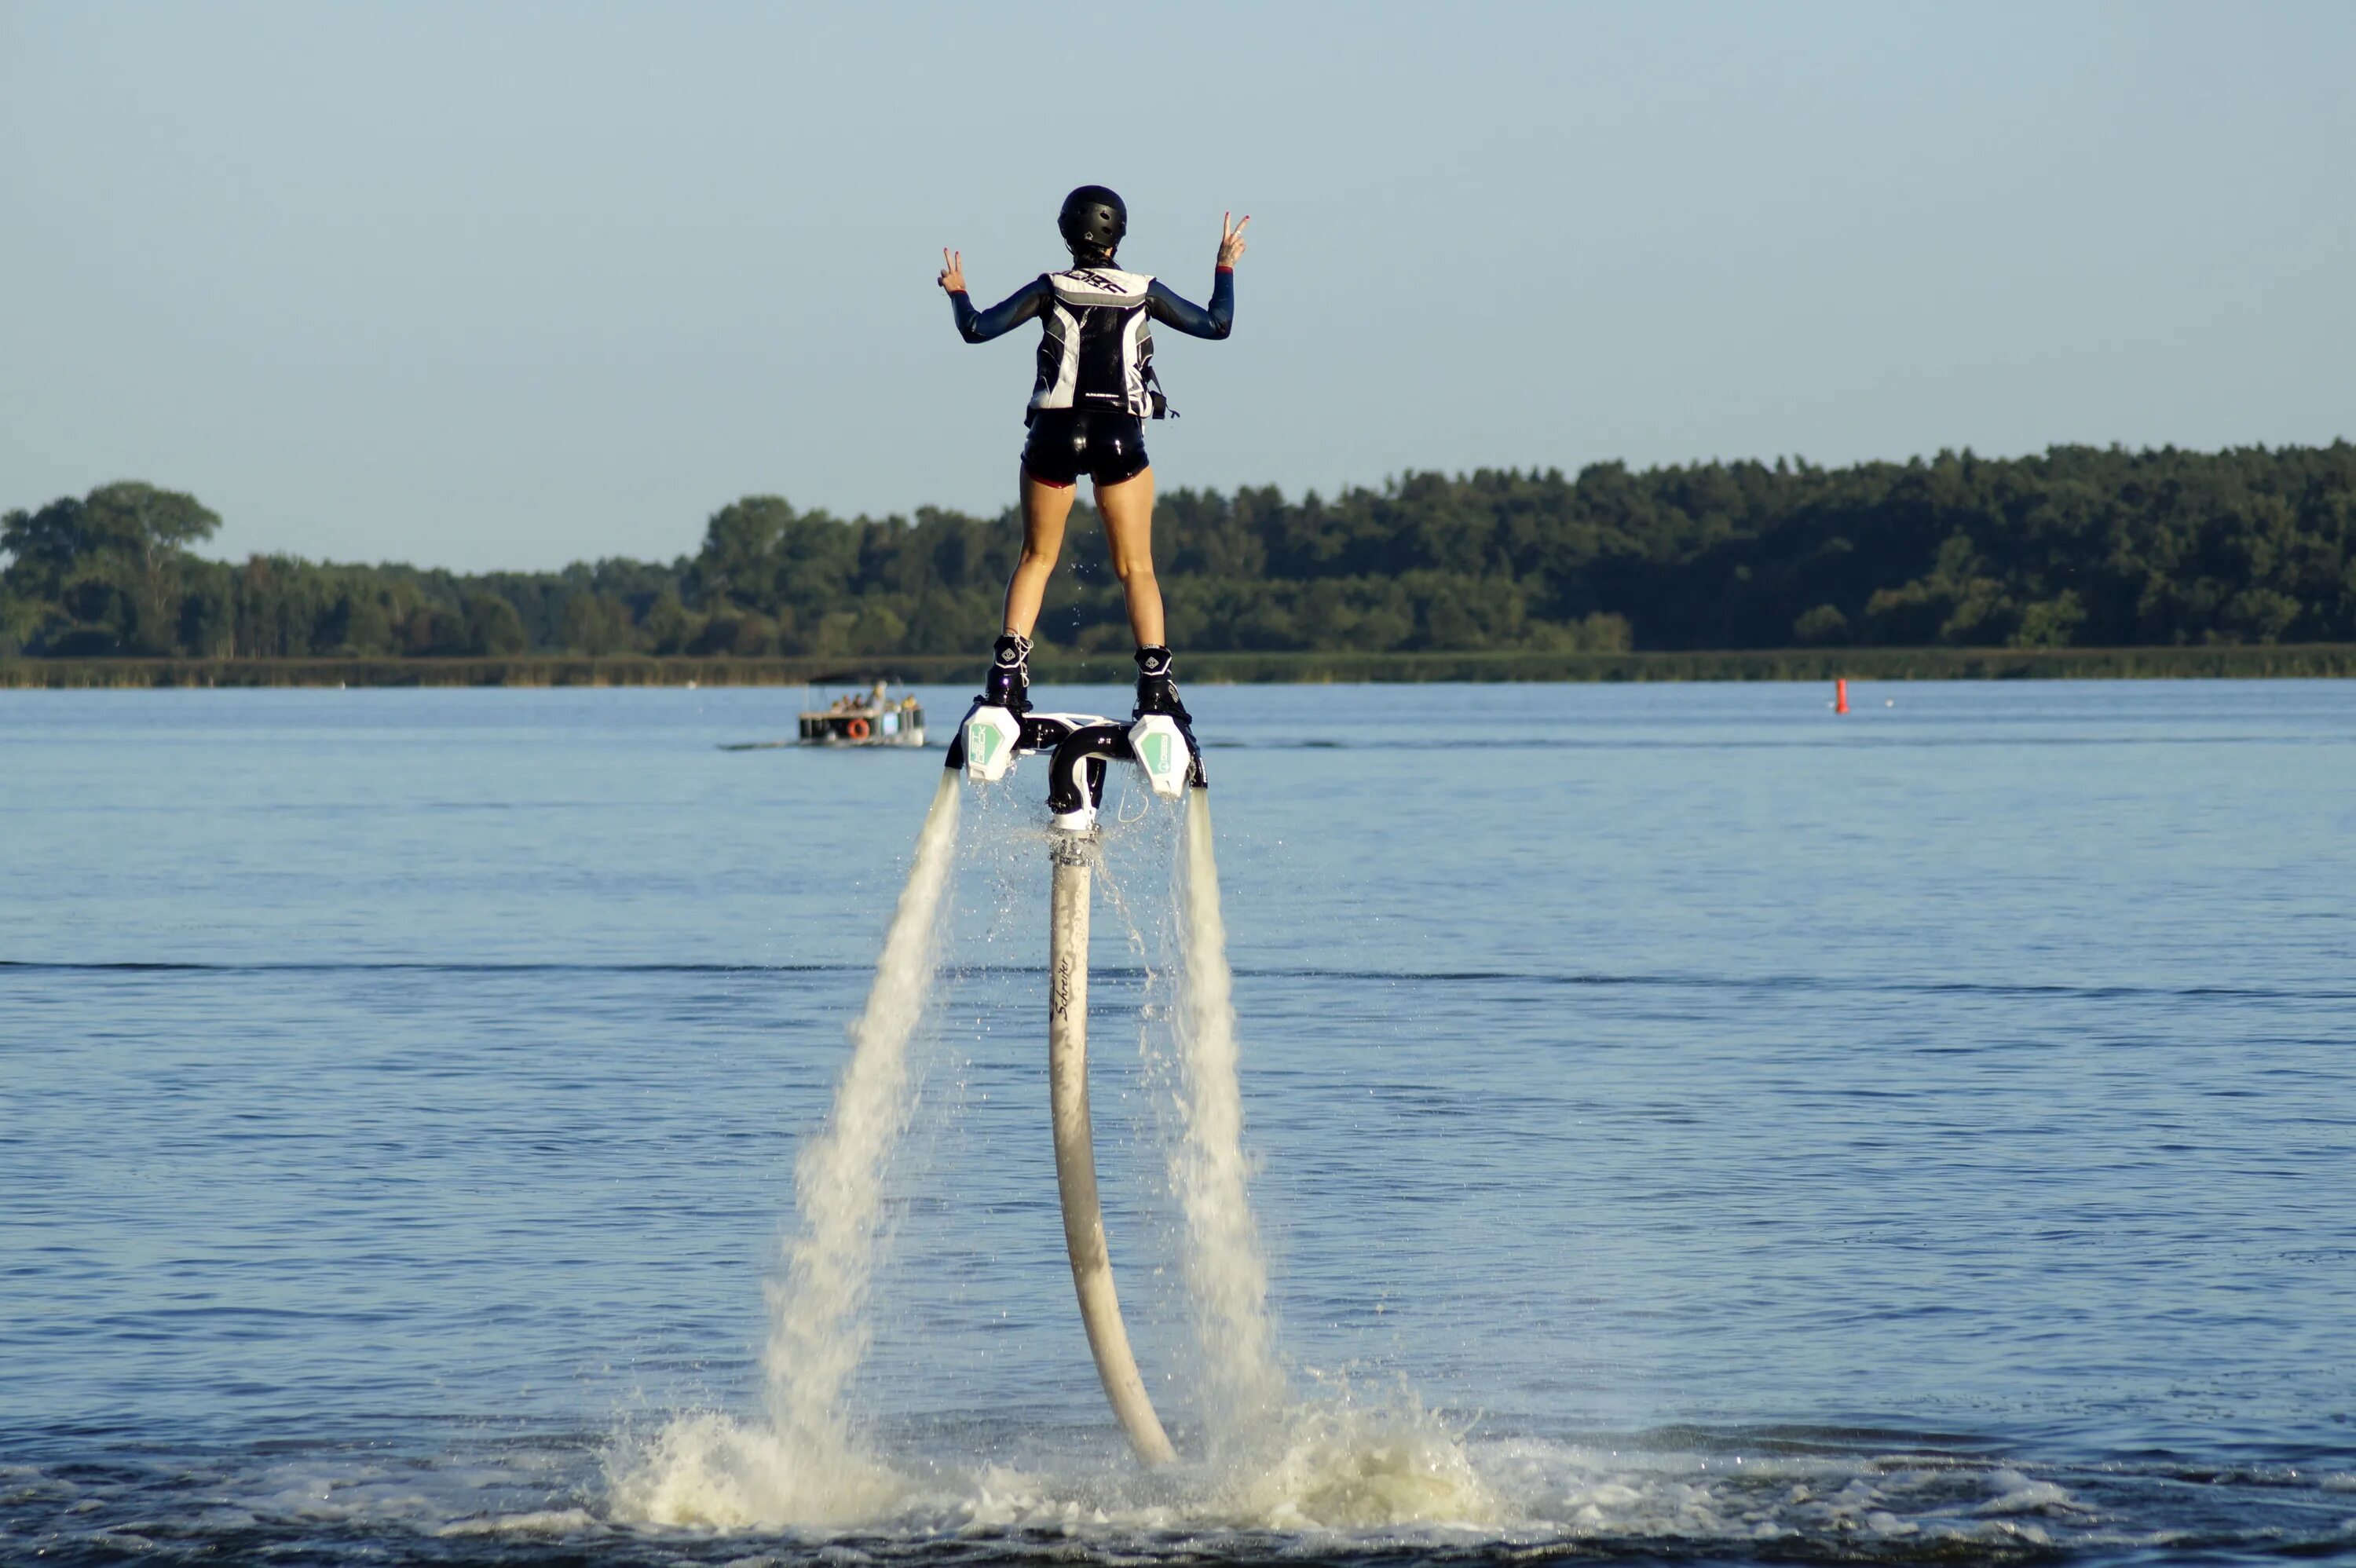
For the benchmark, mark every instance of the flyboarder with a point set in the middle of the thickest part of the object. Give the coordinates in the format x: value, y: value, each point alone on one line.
x: 1094, y: 391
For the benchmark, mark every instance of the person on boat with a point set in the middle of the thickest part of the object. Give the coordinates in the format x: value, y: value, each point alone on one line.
x: 1094, y: 391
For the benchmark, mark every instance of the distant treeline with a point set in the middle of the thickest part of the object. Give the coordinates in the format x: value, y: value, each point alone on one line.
x: 2082, y: 547
x: 1056, y: 667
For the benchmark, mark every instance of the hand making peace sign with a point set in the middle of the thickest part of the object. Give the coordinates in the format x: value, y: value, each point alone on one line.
x: 952, y: 278
x: 1231, y: 238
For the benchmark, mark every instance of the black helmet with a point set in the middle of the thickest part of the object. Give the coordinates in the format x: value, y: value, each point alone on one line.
x: 1093, y: 219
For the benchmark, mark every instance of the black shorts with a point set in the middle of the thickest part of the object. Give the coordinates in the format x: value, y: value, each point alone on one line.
x: 1067, y: 442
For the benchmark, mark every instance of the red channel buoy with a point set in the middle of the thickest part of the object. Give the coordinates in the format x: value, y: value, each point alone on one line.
x: 1840, y: 695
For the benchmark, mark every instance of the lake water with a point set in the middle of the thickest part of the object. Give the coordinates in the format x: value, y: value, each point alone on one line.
x: 1709, y: 1127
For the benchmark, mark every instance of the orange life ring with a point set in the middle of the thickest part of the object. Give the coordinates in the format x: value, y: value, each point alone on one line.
x: 856, y: 730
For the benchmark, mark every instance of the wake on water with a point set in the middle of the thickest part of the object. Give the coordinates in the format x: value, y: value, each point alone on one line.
x: 1267, y: 1461
x: 1271, y: 1470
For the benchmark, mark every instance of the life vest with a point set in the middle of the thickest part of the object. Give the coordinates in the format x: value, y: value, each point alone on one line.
x: 1096, y: 350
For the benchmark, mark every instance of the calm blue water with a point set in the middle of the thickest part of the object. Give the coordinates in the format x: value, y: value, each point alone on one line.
x: 1927, y: 1134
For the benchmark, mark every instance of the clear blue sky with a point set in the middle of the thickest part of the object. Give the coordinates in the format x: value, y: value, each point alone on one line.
x: 510, y: 285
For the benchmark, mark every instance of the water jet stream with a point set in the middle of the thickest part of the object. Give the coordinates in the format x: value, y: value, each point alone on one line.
x: 817, y: 1335
x: 1226, y: 1271
x: 804, y: 1465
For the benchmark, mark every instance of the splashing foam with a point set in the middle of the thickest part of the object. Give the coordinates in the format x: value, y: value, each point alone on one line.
x: 1329, y: 1464
x: 806, y: 1466
x: 1342, y: 1465
x: 1226, y: 1273
x: 712, y: 1470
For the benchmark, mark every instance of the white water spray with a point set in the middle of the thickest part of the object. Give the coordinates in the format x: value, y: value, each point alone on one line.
x: 806, y: 1466
x: 817, y: 1331
x: 1334, y: 1461
x: 1330, y: 1463
x: 1226, y: 1273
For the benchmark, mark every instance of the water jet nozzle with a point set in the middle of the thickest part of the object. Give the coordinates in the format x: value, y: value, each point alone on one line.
x: 991, y: 738
x: 1159, y: 743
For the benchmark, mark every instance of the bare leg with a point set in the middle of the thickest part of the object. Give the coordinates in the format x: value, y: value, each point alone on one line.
x: 1045, y: 509
x: 1128, y: 511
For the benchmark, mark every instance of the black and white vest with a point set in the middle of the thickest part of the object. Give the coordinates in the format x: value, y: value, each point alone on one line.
x: 1096, y: 351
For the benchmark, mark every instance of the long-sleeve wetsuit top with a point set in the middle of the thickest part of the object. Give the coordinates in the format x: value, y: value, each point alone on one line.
x: 1030, y: 301
x: 1095, y: 346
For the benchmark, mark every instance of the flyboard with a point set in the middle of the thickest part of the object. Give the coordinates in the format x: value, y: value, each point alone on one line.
x: 1080, y: 745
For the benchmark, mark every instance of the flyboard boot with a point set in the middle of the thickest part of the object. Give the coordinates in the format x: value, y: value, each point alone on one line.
x: 1156, y: 692
x: 1000, y: 727
x: 1161, y: 730
x: 1008, y: 685
x: 993, y: 728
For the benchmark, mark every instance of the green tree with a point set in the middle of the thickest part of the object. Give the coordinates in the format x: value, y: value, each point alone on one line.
x: 2077, y: 545
x: 102, y: 574
x: 1820, y: 627
x: 740, y: 558
x: 669, y: 628
x: 493, y: 628
x: 2049, y: 623
x: 596, y: 624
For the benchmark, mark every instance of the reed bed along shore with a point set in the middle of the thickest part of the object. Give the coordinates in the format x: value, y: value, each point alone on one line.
x: 2338, y: 659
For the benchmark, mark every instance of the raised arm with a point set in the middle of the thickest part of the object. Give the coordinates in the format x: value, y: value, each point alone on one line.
x: 1188, y: 317
x: 981, y: 326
